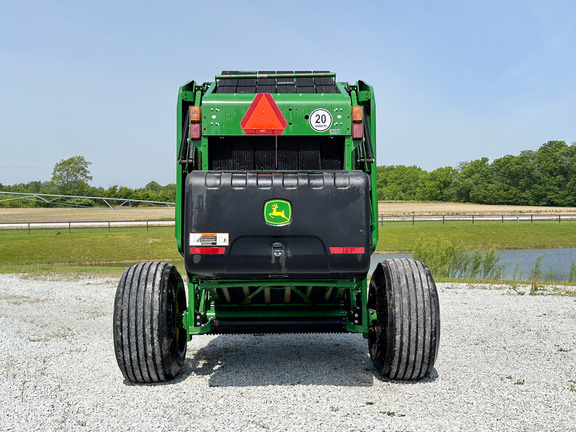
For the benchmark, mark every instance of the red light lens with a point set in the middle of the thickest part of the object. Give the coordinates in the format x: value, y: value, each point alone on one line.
x: 357, y: 131
x: 195, y: 131
x: 207, y: 250
x: 346, y: 250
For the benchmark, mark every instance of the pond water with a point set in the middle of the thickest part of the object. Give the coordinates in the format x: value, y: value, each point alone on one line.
x: 556, y: 262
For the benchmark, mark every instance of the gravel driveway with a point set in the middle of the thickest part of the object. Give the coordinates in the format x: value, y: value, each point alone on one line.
x: 506, y: 362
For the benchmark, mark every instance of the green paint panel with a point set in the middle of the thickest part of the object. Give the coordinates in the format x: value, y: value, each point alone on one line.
x: 223, y: 113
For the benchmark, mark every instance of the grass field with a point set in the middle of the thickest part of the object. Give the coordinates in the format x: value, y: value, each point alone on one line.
x: 85, y: 250
x: 403, y: 236
x: 109, y: 253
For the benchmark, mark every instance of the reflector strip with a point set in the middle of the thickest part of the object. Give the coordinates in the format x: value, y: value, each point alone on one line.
x: 207, y: 250
x: 346, y: 250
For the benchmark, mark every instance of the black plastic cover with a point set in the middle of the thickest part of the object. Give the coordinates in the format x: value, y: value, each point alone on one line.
x: 276, y: 85
x: 328, y: 235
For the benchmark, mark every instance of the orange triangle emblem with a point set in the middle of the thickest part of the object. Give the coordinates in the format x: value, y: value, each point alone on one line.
x: 263, y: 117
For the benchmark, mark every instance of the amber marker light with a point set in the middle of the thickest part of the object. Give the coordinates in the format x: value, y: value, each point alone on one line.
x: 357, y: 114
x: 195, y: 114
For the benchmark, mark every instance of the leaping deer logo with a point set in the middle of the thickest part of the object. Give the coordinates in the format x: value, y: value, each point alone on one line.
x: 275, y: 212
x: 278, y: 212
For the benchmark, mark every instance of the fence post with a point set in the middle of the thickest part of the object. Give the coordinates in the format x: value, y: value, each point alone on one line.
x: 69, y: 227
x: 472, y: 219
x: 530, y: 218
x: 558, y: 218
x: 28, y: 227
x: 108, y: 226
x: 442, y: 219
x: 412, y: 219
x: 146, y: 225
x: 502, y: 218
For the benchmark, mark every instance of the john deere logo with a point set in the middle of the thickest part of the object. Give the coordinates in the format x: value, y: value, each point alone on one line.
x: 277, y: 212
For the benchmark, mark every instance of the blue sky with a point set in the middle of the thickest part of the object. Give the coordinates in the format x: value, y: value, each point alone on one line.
x: 455, y: 80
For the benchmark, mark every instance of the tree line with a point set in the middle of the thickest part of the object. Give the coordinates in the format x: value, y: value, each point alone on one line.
x: 543, y: 177
x: 72, y: 176
x: 546, y: 176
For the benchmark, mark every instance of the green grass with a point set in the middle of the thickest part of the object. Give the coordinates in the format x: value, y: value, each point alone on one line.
x: 403, y: 236
x: 84, y: 250
x: 97, y: 251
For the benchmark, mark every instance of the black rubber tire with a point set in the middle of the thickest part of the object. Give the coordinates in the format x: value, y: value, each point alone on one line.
x: 404, y: 339
x: 150, y: 345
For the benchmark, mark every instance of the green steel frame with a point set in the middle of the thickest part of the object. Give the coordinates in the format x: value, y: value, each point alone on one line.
x: 202, y: 294
x: 221, y: 116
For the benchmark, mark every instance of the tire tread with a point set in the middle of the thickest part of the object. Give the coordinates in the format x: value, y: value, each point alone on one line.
x: 143, y: 341
x: 408, y: 346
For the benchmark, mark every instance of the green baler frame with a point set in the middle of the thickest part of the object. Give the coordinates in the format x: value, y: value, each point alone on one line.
x: 201, y: 314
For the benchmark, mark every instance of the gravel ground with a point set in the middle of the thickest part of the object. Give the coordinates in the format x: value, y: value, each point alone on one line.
x: 506, y: 362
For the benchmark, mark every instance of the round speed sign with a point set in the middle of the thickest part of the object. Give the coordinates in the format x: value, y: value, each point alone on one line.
x: 320, y: 120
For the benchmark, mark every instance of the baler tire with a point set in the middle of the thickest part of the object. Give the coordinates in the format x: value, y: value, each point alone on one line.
x: 404, y: 339
x: 149, y: 340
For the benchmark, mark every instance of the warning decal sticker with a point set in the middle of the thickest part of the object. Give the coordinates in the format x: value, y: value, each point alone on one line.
x: 209, y: 239
x: 320, y: 120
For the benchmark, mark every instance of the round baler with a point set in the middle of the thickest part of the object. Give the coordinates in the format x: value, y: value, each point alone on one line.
x: 276, y: 220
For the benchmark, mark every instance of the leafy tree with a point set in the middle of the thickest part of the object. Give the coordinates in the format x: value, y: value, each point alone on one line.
x: 399, y: 182
x: 71, y: 176
x: 470, y: 182
x: 153, y: 186
x: 434, y: 185
x: 554, y: 164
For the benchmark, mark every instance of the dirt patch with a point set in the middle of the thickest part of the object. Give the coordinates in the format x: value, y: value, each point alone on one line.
x: 433, y: 208
x: 85, y: 214
x: 8, y: 215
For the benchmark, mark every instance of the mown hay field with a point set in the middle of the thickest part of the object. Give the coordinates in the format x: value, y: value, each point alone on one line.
x: 398, y: 208
x: 98, y: 214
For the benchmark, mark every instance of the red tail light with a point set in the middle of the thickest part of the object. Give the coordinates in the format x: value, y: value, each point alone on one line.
x: 346, y: 250
x: 357, y: 131
x: 207, y: 250
x: 357, y: 119
x: 195, y: 131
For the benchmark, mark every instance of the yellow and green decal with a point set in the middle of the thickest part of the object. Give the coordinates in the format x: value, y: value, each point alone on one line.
x: 277, y: 212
